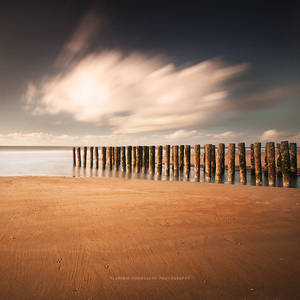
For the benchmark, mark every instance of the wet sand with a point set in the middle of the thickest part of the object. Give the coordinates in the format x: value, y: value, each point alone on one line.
x: 109, y: 238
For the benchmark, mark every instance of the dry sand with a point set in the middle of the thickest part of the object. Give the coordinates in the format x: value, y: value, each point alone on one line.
x: 108, y: 238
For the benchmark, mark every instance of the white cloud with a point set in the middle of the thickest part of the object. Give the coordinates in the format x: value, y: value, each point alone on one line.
x: 180, y: 134
x: 274, y: 135
x: 137, y: 93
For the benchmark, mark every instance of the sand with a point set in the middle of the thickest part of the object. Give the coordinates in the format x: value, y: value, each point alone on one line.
x: 109, y: 238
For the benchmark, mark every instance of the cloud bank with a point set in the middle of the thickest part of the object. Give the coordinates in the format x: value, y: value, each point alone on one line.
x: 189, y: 137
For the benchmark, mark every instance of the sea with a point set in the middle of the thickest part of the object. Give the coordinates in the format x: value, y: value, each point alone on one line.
x: 58, y: 161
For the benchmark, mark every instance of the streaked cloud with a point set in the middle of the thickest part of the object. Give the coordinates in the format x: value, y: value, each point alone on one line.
x: 30, y: 93
x: 137, y: 93
x: 88, y: 27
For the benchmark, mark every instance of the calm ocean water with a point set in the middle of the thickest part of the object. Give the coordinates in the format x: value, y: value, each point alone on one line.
x: 59, y: 162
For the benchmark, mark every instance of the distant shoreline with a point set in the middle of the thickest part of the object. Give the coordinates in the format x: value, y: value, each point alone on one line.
x: 28, y: 148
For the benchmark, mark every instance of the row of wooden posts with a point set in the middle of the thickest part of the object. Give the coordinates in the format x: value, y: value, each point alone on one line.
x: 282, y: 162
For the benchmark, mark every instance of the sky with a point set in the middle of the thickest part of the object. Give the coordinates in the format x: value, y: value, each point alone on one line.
x: 149, y: 72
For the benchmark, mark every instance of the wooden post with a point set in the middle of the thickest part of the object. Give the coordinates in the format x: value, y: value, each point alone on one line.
x: 207, y: 160
x: 278, y: 160
x: 103, y: 157
x: 134, y: 157
x: 293, y: 158
x: 138, y: 159
x: 129, y: 158
x: 181, y: 157
x: 159, y: 160
x: 113, y: 150
x: 197, y: 161
x: 74, y: 157
x: 252, y: 165
x: 115, y: 155
x: 176, y: 160
x: 84, y: 156
x: 78, y: 157
x: 285, y: 163
x: 231, y: 162
x: 257, y: 162
x: 270, y: 152
x: 242, y: 162
x: 220, y: 162
x: 118, y: 157
x: 152, y: 160
x: 167, y: 160
x: 96, y: 157
x: 123, y: 159
x: 204, y: 159
x: 110, y: 157
x: 213, y: 159
x: 266, y: 161
x: 91, y: 157
x: 147, y: 158
x: 187, y: 160
x: 144, y: 160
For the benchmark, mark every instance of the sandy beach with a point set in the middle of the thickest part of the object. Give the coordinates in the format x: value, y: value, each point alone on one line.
x: 109, y: 238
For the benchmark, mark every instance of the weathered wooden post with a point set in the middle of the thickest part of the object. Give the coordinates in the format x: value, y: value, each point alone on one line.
x: 134, y: 157
x: 285, y: 163
x: 231, y: 162
x: 144, y: 161
x: 252, y: 165
x: 181, y: 157
x: 213, y: 159
x: 79, y: 156
x: 147, y: 158
x: 159, y: 160
x: 208, y: 161
x: 220, y: 162
x: 110, y: 157
x: 96, y: 157
x: 74, y: 157
x: 152, y: 160
x: 176, y: 160
x: 257, y: 162
x: 118, y: 157
x: 197, y: 161
x: 138, y: 158
x: 187, y: 160
x: 167, y: 160
x: 143, y: 158
x: 270, y: 152
x: 266, y: 161
x: 123, y: 159
x: 113, y: 150
x: 91, y: 157
x: 84, y: 156
x: 129, y: 158
x: 242, y: 162
x: 103, y: 157
x: 278, y: 160
x: 115, y: 155
x: 293, y: 158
